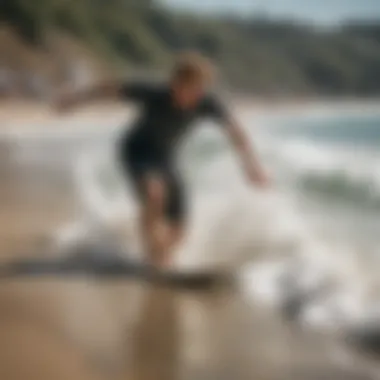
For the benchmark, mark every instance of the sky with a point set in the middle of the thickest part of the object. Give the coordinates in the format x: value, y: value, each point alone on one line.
x: 320, y: 11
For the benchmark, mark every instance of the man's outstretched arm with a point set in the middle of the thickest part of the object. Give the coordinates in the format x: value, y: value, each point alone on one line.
x: 102, y: 92
x: 249, y: 159
x: 106, y: 91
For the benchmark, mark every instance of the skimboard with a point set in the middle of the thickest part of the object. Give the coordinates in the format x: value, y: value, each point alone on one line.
x: 188, y: 279
x: 110, y: 267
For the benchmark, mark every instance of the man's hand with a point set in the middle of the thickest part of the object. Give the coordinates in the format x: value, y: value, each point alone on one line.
x: 258, y: 177
x: 65, y: 103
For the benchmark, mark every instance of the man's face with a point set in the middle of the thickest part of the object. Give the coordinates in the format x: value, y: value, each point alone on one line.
x: 187, y: 95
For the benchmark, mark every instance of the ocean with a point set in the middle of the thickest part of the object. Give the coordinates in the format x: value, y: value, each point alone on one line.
x: 317, y: 228
x: 326, y: 167
x: 314, y: 235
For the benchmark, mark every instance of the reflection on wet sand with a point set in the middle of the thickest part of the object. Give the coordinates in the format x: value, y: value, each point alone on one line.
x: 155, y: 354
x: 82, y: 328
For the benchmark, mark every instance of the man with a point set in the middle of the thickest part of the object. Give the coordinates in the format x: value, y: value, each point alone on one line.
x: 147, y: 152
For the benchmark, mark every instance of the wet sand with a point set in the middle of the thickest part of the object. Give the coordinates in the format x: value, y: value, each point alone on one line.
x: 83, y: 328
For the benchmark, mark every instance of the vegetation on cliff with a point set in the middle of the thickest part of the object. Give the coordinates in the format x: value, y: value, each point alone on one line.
x: 255, y: 55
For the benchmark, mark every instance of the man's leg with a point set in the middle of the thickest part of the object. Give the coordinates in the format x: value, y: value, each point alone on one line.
x: 162, y: 224
x: 175, y: 211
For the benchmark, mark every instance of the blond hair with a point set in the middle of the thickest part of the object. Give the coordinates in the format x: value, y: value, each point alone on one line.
x: 193, y: 67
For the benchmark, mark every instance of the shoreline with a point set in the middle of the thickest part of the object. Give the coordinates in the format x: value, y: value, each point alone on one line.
x: 15, y: 114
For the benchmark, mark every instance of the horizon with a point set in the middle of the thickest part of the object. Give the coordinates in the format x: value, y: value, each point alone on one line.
x: 322, y: 12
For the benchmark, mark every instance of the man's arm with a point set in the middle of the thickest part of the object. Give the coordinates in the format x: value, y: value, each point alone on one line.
x: 103, y: 91
x: 138, y: 92
x: 250, y: 161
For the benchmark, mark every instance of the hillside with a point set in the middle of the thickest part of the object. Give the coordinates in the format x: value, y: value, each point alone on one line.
x: 257, y: 55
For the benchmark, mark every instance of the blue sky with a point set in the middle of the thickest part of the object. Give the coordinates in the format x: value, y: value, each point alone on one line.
x: 324, y: 11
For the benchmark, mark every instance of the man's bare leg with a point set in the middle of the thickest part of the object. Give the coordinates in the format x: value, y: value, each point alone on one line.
x: 173, y: 237
x: 160, y: 236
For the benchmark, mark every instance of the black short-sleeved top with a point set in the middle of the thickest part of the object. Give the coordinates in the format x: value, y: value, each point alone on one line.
x: 161, y: 124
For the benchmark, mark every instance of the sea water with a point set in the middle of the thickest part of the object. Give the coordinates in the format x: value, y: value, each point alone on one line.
x: 326, y: 165
x: 315, y: 232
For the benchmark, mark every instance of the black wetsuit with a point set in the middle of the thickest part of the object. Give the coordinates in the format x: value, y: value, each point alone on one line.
x: 151, y: 144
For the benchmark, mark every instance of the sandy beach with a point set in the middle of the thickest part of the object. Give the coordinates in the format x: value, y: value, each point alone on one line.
x: 74, y: 328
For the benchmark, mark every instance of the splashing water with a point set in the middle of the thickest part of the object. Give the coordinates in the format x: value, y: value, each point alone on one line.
x: 318, y: 226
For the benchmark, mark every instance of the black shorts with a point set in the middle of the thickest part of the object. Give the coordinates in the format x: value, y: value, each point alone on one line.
x: 138, y: 162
